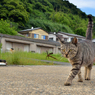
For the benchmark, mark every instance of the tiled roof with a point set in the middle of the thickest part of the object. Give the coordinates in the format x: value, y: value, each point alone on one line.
x: 27, y: 30
x: 31, y: 40
x: 74, y: 35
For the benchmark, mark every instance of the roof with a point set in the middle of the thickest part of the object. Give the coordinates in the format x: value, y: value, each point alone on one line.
x: 52, y: 33
x: 31, y: 40
x: 28, y: 30
x: 74, y: 35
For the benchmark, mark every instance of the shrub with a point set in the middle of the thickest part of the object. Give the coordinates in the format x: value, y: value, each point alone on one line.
x: 6, y: 29
x: 80, y: 31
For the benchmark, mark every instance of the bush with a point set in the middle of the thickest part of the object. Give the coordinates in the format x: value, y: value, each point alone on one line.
x: 6, y: 29
x: 80, y: 31
x: 16, y: 58
x: 48, y: 25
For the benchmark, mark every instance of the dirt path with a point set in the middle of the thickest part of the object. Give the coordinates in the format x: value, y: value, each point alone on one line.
x: 42, y: 80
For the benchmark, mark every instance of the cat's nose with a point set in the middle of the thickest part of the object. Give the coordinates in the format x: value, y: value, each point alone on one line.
x: 66, y: 55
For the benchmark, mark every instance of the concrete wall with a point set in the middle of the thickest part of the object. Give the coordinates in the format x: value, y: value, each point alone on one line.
x: 33, y: 46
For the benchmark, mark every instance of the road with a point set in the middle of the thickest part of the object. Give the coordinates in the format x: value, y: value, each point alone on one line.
x: 55, y: 62
x: 42, y: 80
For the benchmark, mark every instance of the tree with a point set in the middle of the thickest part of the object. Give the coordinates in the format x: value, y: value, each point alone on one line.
x: 13, y: 10
x: 80, y: 31
x: 6, y: 29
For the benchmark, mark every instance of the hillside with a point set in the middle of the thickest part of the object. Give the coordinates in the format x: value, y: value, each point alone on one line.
x: 51, y: 15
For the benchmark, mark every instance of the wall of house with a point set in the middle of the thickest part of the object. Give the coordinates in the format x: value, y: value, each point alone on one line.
x: 93, y: 40
x: 44, y: 47
x: 8, y: 43
x: 52, y: 37
x: 41, y: 49
x: 65, y: 37
x: 40, y: 32
x: 69, y: 38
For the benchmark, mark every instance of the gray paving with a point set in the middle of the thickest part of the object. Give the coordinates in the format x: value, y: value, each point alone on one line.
x: 42, y: 80
x: 55, y: 62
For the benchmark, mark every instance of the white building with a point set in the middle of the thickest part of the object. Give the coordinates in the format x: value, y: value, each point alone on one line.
x: 67, y: 36
x: 93, y: 40
x: 52, y: 36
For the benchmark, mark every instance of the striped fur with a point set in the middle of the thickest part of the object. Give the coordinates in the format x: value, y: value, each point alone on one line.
x: 79, y: 54
x: 89, y: 29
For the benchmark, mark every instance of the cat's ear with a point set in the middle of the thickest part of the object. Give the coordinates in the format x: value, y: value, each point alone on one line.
x: 60, y: 38
x: 74, y: 41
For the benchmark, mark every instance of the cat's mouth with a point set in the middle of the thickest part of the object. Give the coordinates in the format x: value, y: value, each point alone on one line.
x: 66, y: 55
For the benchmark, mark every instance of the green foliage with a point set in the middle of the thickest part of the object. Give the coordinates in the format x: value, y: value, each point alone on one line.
x: 66, y: 7
x: 0, y: 45
x: 48, y: 26
x: 73, y: 21
x: 0, y: 49
x: 24, y: 58
x: 15, y: 58
x: 93, y: 27
x: 80, y: 31
x: 51, y: 15
x: 6, y: 29
x: 13, y: 10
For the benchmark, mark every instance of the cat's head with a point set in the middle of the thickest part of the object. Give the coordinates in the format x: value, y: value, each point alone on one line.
x: 69, y: 49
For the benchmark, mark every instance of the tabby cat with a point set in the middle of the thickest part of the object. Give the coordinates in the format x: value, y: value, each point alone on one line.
x: 79, y: 54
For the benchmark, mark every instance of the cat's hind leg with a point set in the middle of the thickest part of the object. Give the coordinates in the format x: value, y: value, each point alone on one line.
x: 80, y: 79
x: 85, y: 75
x: 88, y: 75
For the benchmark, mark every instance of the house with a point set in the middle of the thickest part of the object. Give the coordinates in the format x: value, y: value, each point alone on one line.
x: 52, y: 36
x: 93, y: 40
x: 19, y: 43
x: 36, y: 33
x: 67, y: 36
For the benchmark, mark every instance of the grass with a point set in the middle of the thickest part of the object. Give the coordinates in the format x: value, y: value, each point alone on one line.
x: 24, y: 58
x: 43, y: 56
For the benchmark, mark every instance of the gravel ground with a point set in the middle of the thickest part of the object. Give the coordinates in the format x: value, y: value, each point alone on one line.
x: 42, y: 80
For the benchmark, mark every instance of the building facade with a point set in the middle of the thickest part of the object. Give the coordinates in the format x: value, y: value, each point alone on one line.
x: 35, y: 33
x: 66, y: 36
x: 27, y: 44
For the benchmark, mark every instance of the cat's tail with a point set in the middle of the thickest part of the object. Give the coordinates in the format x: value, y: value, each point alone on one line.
x: 89, y: 28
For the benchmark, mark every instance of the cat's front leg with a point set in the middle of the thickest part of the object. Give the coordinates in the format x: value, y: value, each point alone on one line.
x: 73, y: 73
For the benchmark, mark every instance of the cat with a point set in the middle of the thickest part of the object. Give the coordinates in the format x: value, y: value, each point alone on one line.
x: 79, y: 54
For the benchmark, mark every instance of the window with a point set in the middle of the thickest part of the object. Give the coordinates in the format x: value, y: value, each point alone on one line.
x: 71, y: 39
x: 43, y: 37
x: 51, y: 39
x: 65, y: 39
x: 35, y: 35
x: 27, y: 35
x: 79, y: 39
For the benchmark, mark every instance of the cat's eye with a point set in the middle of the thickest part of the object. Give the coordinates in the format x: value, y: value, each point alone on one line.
x: 71, y: 50
x: 63, y: 50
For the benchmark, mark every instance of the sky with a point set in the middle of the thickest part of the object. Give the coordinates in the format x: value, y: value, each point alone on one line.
x: 87, y: 6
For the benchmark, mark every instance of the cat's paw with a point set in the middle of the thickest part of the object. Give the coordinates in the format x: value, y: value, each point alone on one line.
x: 80, y: 80
x: 67, y: 84
x: 87, y: 78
